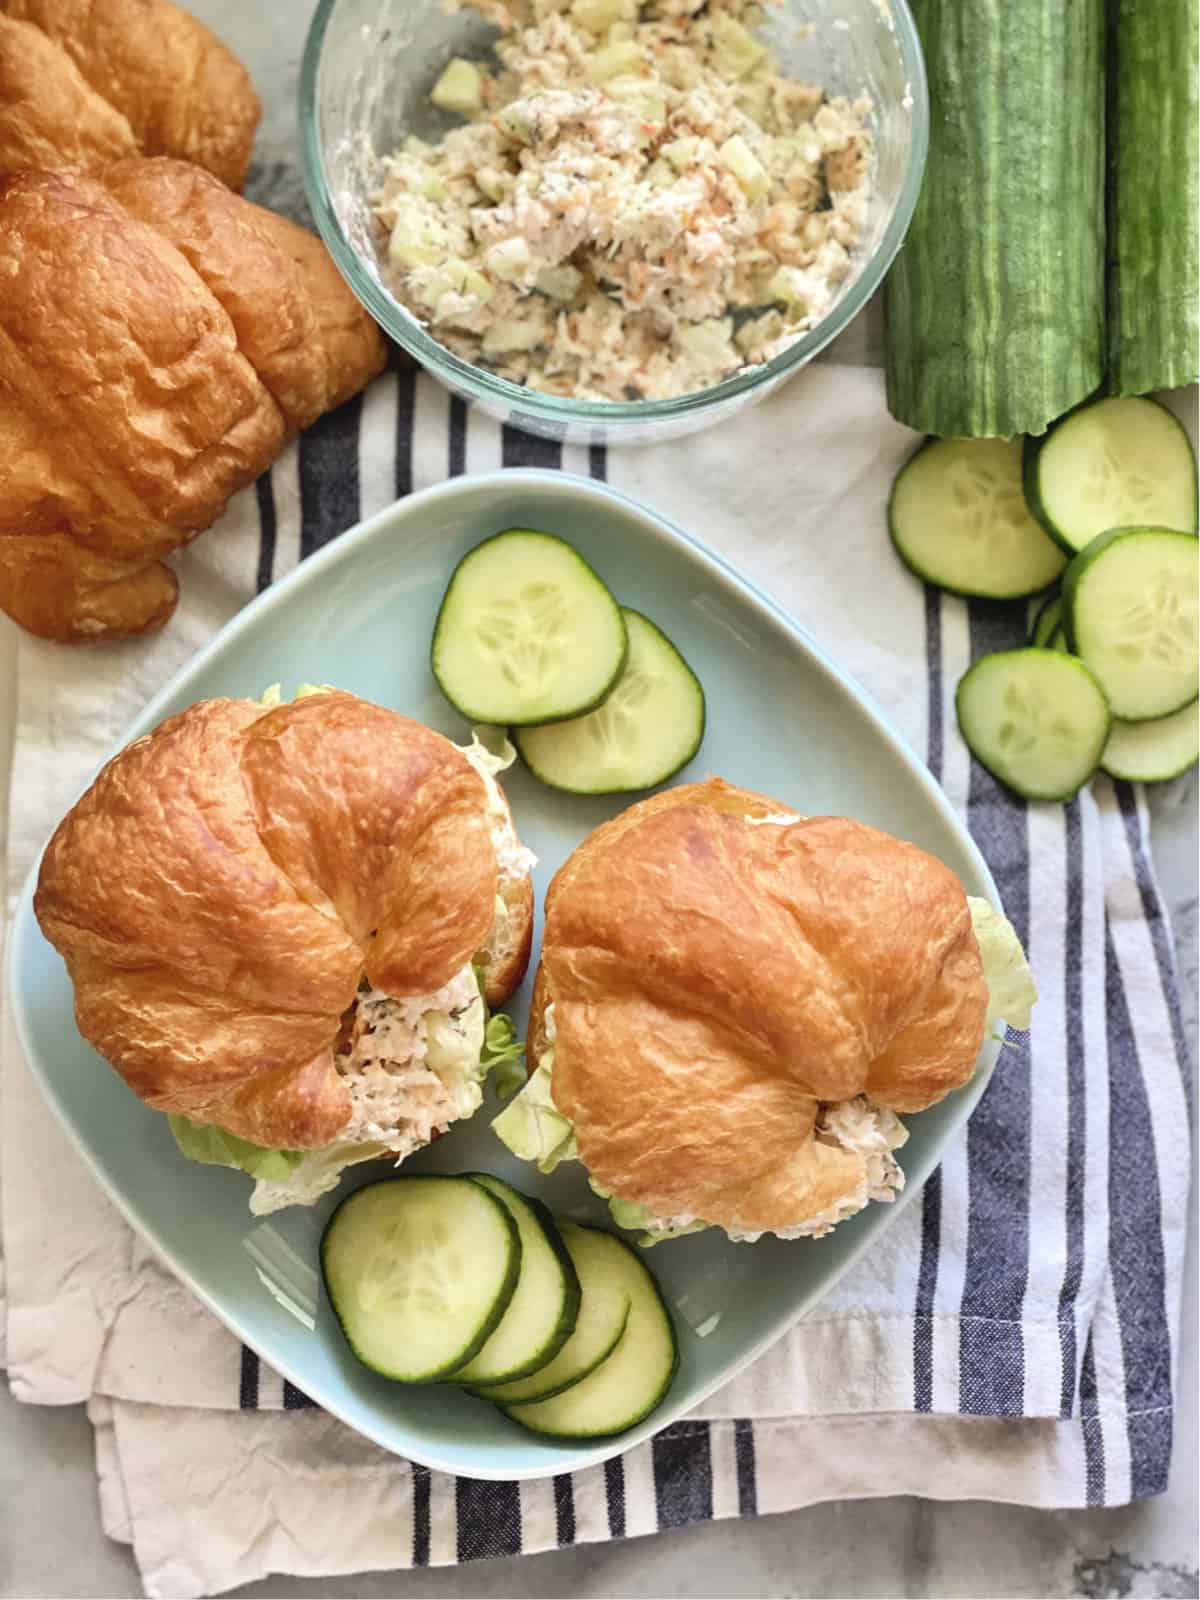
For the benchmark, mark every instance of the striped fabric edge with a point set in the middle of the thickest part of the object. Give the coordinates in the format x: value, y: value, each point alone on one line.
x: 392, y: 1514
x: 973, y: 1202
x: 699, y: 1472
x: 1116, y: 1122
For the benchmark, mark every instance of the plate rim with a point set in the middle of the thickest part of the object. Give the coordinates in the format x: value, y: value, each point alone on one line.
x: 339, y: 549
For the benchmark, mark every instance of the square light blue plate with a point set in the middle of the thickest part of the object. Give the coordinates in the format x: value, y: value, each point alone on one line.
x: 782, y: 718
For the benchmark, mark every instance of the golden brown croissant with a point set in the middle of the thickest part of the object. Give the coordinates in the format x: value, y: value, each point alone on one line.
x: 231, y: 882
x: 160, y: 338
x: 722, y: 974
x: 86, y: 82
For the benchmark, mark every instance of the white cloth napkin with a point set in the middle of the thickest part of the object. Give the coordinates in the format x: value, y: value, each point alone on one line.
x: 1010, y: 1339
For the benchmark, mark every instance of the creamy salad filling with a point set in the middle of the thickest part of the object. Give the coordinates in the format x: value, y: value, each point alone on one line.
x: 534, y: 1129
x: 513, y: 859
x: 858, y: 1125
x: 413, y: 1065
x: 638, y: 203
x: 410, y: 1066
x: 869, y: 1130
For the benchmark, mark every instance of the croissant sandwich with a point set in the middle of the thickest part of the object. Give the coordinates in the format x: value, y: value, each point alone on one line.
x: 284, y: 925
x: 735, y: 1006
x: 160, y: 339
x: 86, y: 82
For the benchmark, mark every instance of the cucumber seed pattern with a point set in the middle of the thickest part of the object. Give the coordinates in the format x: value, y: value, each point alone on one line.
x: 1158, y: 624
x: 415, y: 1271
x: 989, y: 501
x: 1034, y: 723
x: 1117, y: 490
x: 523, y: 636
x: 614, y: 729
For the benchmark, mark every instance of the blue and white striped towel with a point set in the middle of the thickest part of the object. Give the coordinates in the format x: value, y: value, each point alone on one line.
x: 1012, y: 1338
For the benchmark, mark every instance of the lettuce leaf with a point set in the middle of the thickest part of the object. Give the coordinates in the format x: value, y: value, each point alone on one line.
x: 490, y: 749
x: 533, y: 1127
x: 214, y: 1147
x: 637, y: 1218
x: 273, y: 696
x: 503, y: 1054
x: 1011, y: 989
x: 315, y: 1174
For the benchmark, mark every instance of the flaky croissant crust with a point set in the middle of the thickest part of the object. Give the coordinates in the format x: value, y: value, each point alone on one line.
x: 160, y: 339
x: 225, y: 883
x: 86, y: 82
x: 715, y: 981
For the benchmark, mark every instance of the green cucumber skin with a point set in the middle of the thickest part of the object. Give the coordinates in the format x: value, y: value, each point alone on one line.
x: 1073, y: 576
x: 1079, y: 565
x: 1053, y: 797
x: 995, y: 304
x: 1159, y: 777
x: 566, y: 788
x: 574, y: 1292
x: 1162, y: 774
x: 1048, y: 589
x: 1031, y: 452
x: 483, y: 1393
x: 1153, y: 221
x: 578, y: 711
x: 490, y: 1323
x: 1039, y: 634
x: 514, y: 1411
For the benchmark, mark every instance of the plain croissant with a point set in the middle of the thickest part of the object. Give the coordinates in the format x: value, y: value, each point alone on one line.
x: 160, y: 339
x: 84, y: 83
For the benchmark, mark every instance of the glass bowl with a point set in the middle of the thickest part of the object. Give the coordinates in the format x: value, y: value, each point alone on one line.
x: 368, y: 68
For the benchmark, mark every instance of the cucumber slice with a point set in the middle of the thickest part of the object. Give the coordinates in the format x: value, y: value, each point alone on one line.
x: 419, y: 1271
x: 541, y: 1314
x: 1045, y: 623
x: 603, y: 1313
x: 626, y: 1386
x: 1131, y: 615
x: 1037, y: 720
x: 1113, y: 464
x: 651, y: 724
x: 958, y: 519
x: 1151, y: 752
x: 527, y: 632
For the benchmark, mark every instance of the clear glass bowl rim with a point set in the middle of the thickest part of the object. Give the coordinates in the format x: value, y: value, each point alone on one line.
x: 555, y: 409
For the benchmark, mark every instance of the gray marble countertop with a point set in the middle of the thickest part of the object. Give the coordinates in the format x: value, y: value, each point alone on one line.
x: 51, y: 1542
